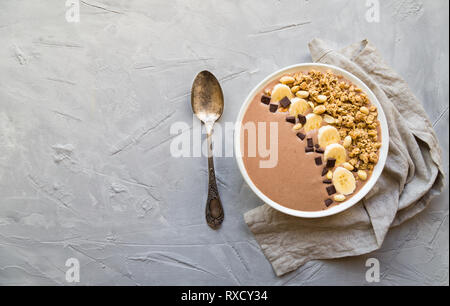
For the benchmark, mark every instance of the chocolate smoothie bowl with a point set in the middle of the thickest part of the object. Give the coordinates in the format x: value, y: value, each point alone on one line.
x: 311, y: 140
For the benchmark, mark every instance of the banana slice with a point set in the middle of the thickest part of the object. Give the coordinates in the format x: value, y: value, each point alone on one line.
x: 344, y: 181
x: 313, y: 122
x: 328, y: 135
x: 298, y: 107
x: 280, y: 91
x: 337, y: 152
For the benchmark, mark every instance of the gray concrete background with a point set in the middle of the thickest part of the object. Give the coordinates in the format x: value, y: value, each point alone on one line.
x: 85, y: 112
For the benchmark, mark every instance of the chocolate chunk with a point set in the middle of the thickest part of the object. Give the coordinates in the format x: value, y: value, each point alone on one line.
x: 265, y: 99
x: 328, y: 182
x: 301, y: 136
x: 309, y: 150
x: 310, y: 142
x: 301, y: 119
x: 290, y: 119
x: 331, y: 162
x: 285, y: 102
x: 317, y: 146
x: 328, y: 202
x: 325, y: 171
x: 331, y: 190
x: 320, y: 151
x: 273, y: 108
x: 318, y: 161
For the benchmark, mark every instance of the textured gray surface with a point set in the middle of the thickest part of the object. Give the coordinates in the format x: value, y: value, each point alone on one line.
x: 85, y: 112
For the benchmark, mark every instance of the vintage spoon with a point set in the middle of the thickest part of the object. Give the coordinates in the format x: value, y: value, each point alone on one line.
x: 207, y: 105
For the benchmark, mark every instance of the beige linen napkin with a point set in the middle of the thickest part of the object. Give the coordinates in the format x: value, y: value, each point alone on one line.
x: 412, y: 176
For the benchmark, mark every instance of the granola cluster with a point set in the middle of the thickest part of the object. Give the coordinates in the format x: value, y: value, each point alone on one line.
x: 346, y: 107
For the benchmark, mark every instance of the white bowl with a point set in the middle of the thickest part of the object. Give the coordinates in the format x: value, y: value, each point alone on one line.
x: 376, y: 172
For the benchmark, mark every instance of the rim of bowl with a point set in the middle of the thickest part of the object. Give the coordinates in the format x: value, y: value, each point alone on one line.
x: 376, y: 172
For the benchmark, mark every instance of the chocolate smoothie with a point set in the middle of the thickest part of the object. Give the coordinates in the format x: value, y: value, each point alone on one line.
x: 300, y: 179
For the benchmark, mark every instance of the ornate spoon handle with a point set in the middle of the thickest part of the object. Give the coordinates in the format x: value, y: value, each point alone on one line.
x: 214, y: 209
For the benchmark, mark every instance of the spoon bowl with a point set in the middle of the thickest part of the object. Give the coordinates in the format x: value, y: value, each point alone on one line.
x: 207, y: 97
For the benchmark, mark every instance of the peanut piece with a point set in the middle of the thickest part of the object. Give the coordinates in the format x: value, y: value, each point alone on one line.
x: 295, y: 89
x: 347, y: 142
x: 297, y: 127
x: 330, y: 175
x: 287, y: 80
x: 302, y: 94
x: 364, y: 110
x: 328, y: 119
x: 319, y: 110
x: 339, y: 198
x: 362, y: 175
x: 321, y: 98
x: 348, y: 166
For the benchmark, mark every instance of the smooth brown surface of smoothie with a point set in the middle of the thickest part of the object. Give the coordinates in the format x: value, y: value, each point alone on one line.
x: 295, y: 182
